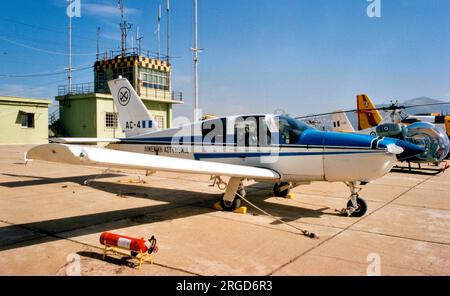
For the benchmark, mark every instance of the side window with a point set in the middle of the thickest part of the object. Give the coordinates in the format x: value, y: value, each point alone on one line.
x: 27, y: 120
x: 246, y: 132
x: 284, y: 131
x: 264, y: 134
x: 214, y: 131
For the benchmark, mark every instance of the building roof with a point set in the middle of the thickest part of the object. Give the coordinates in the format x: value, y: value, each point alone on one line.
x: 12, y: 99
x: 109, y: 97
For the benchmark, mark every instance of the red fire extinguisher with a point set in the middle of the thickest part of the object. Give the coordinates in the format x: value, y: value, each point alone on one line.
x: 134, y: 245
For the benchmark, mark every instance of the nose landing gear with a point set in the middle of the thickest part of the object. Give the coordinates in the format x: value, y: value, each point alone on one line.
x: 282, y: 189
x: 356, y: 206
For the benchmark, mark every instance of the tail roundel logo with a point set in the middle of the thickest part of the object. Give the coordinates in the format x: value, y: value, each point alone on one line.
x: 124, y: 96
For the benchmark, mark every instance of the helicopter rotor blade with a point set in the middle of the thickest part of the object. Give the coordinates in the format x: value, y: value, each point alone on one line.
x: 425, y: 105
x: 392, y: 107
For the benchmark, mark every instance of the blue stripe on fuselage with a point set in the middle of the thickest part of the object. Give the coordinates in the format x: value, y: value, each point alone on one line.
x: 317, y: 138
x: 309, y: 138
x: 199, y: 156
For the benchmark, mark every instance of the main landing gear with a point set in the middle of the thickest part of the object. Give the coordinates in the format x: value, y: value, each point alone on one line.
x: 356, y: 206
x: 282, y: 189
x: 231, y: 206
x: 234, y: 191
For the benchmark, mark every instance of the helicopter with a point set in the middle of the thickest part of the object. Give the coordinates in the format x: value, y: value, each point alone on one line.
x: 396, y: 123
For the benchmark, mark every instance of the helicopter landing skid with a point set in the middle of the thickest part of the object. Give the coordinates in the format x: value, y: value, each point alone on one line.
x: 429, y: 169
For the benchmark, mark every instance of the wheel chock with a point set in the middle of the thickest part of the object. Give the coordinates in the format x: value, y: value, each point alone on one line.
x: 131, y: 181
x: 217, y: 206
x: 290, y: 196
x: 241, y: 210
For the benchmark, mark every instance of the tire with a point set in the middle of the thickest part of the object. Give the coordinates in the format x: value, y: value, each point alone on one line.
x: 134, y: 254
x: 278, y: 193
x: 362, y: 207
x: 236, y: 204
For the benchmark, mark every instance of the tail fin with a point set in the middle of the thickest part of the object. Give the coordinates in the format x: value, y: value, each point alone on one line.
x: 367, y: 117
x: 134, y: 117
x: 341, y: 123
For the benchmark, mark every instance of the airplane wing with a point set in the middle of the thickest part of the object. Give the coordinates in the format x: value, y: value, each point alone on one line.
x: 83, y: 140
x: 85, y: 155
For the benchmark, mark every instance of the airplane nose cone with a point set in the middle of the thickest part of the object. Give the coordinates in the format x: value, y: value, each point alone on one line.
x: 409, y: 150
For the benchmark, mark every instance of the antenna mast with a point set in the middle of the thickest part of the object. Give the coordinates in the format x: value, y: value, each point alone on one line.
x: 124, y: 27
x: 196, y: 50
x: 138, y: 40
x: 70, y: 51
x: 98, y: 43
x: 168, y: 31
x: 158, y: 30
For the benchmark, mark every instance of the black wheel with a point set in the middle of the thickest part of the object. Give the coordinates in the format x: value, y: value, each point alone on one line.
x: 361, y: 207
x: 281, y: 193
x: 134, y: 254
x: 230, y: 207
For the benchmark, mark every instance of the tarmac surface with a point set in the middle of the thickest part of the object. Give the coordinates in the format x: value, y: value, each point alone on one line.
x: 50, y: 224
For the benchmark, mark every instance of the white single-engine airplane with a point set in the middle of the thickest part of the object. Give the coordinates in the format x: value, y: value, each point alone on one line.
x: 265, y: 148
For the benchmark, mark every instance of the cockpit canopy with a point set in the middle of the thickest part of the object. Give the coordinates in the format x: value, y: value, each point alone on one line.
x: 430, y: 137
x: 253, y: 131
x: 291, y: 129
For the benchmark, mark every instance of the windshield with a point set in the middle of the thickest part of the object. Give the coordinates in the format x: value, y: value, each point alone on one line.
x: 291, y: 129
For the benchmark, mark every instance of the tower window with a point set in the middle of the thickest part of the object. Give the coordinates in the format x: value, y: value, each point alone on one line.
x: 154, y: 79
x: 125, y: 72
x: 101, y: 81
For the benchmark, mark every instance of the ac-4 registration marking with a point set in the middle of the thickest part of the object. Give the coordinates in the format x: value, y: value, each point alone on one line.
x: 139, y: 124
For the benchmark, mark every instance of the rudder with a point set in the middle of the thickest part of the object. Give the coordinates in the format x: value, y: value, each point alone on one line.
x: 134, y: 117
x: 341, y: 123
x: 368, y: 116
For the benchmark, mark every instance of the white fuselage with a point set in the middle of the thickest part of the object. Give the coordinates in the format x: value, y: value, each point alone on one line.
x: 294, y: 162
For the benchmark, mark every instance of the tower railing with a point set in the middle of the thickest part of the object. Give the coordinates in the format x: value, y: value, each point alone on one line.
x: 145, y: 92
x: 76, y: 89
x: 112, y: 54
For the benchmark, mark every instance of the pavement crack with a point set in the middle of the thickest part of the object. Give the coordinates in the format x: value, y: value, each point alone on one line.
x: 346, y: 228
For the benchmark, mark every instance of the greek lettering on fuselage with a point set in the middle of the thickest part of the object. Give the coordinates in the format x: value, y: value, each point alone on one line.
x: 168, y: 149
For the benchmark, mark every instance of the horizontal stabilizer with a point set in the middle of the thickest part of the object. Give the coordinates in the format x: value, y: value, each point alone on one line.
x: 83, y: 140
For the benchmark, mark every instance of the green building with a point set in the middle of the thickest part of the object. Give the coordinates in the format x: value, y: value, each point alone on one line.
x: 23, y: 120
x: 87, y: 110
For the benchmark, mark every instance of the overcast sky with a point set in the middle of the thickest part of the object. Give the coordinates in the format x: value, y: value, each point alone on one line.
x: 302, y: 56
